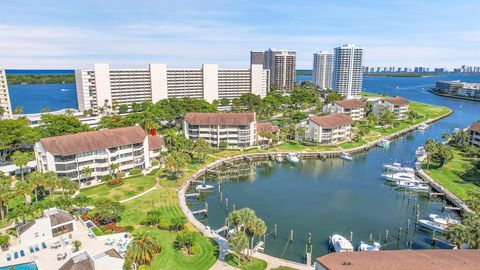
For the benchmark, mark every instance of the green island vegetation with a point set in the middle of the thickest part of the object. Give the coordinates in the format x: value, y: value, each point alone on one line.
x: 40, y: 78
x: 155, y: 217
x: 400, y: 74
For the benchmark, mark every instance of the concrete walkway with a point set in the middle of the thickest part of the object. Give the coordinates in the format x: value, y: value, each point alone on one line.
x: 138, y: 195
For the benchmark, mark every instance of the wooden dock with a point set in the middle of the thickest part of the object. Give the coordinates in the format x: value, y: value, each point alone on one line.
x: 222, y: 229
x: 200, y: 212
x: 192, y: 195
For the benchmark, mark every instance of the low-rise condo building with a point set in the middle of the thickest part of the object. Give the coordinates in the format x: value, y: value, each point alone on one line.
x: 236, y: 129
x: 474, y: 134
x: 459, y: 88
x: 266, y: 132
x: 55, y: 222
x: 5, y: 107
x: 397, y: 105
x: 329, y: 129
x: 355, y: 108
x: 67, y: 155
x: 100, y: 86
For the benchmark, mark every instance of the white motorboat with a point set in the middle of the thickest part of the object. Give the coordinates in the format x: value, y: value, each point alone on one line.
x: 291, y: 157
x: 420, y: 151
x: 204, y: 187
x: 432, y: 225
x: 383, y: 143
x: 345, y: 156
x: 400, y: 177
x: 423, y: 126
x: 279, y: 158
x: 397, y: 167
x: 340, y: 243
x: 366, y: 247
x: 414, y: 186
x: 443, y: 219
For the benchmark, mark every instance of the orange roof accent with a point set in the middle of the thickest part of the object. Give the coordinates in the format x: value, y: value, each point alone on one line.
x: 332, y: 120
x: 350, y: 103
x: 93, y: 140
x: 398, y: 100
x: 220, y: 118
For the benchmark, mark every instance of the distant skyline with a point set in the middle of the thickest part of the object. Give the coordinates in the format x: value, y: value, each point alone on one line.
x: 76, y: 34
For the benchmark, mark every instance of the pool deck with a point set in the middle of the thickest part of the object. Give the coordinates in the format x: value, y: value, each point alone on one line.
x: 46, y: 259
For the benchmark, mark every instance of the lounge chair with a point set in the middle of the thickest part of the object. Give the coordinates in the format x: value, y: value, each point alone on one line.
x: 36, y: 247
x: 15, y: 255
x: 44, y: 246
x: 31, y: 249
x: 9, y: 257
x: 22, y: 253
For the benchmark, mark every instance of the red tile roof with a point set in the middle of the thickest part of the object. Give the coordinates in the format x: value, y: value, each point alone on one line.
x: 398, y: 100
x: 350, y: 103
x: 155, y: 142
x: 434, y: 259
x: 267, y: 127
x: 475, y: 127
x: 93, y: 140
x: 332, y: 120
x: 220, y: 118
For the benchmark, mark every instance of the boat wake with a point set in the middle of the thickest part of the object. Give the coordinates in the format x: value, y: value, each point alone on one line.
x: 66, y: 90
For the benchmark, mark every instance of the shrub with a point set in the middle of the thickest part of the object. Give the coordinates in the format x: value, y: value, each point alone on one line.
x: 135, y: 171
x: 120, y: 175
x: 4, y: 241
x: 12, y: 231
x: 184, y: 239
x: 155, y: 162
x: 97, y: 231
x: 194, y: 250
x: 112, y: 227
x: 129, y: 228
x: 153, y: 218
x: 177, y: 223
x: 115, y: 182
x: 105, y: 178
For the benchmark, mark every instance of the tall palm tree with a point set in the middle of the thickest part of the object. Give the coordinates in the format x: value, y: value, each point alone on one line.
x: 36, y: 179
x: 85, y: 172
x: 257, y: 228
x: 114, y: 168
x: 238, y: 241
x: 50, y: 182
x: 430, y: 147
x: 6, y: 194
x: 63, y: 184
x: 142, y: 249
x: 24, y: 188
x: 21, y: 159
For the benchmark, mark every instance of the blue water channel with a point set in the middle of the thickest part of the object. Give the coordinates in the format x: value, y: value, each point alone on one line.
x: 336, y: 196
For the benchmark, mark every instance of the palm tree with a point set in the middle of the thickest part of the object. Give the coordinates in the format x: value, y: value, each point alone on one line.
x: 85, y: 172
x: 51, y: 182
x: 69, y: 112
x: 24, y: 188
x: 257, y: 228
x: 114, y: 168
x: 430, y: 147
x: 21, y: 159
x: 238, y: 241
x: 63, y: 184
x: 36, y: 179
x: 142, y: 249
x: 6, y: 194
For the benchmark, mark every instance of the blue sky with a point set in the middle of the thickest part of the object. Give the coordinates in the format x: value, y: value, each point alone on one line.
x: 187, y: 33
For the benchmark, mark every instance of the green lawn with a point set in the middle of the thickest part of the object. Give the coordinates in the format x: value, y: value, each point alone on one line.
x: 451, y: 175
x: 283, y: 268
x: 429, y: 111
x: 255, y: 264
x: 169, y: 258
x: 352, y: 144
x: 130, y: 188
x: 163, y: 199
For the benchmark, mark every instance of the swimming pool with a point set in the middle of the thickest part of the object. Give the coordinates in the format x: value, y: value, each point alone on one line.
x: 23, y: 266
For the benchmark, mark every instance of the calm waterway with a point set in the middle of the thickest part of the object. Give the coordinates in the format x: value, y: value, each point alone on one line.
x: 335, y: 196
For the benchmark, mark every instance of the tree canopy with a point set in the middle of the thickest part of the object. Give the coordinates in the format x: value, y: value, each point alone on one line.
x: 60, y: 124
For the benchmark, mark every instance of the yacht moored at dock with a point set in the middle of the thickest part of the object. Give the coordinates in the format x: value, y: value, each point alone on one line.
x: 345, y: 156
x: 423, y: 126
x: 292, y: 158
x: 432, y: 225
x: 400, y: 177
x: 366, y: 247
x: 420, y: 151
x: 340, y: 243
x: 279, y: 158
x: 414, y: 186
x: 204, y: 188
x: 383, y: 143
x: 397, y: 167
x: 443, y: 219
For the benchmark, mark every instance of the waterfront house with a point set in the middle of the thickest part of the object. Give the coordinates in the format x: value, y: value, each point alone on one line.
x: 474, y: 134
x: 55, y: 222
x: 397, y: 105
x: 329, y: 129
x: 238, y: 130
x: 264, y: 128
x: 67, y: 155
x: 355, y: 108
x: 433, y: 259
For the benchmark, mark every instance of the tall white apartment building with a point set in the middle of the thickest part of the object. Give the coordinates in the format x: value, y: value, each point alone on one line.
x: 348, y: 71
x: 322, y: 69
x: 99, y: 87
x: 282, y: 66
x: 6, y: 109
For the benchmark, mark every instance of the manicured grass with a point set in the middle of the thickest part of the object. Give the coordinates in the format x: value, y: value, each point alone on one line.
x: 130, y: 188
x: 170, y: 258
x: 283, y: 268
x: 428, y: 111
x: 452, y: 177
x: 255, y: 264
x: 162, y: 199
x: 352, y: 144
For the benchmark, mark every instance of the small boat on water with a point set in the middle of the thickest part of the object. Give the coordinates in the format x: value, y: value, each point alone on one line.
x: 204, y: 187
x: 423, y: 126
x: 291, y: 157
x: 366, y: 247
x: 432, y: 225
x: 383, y: 143
x: 443, y: 219
x: 397, y: 167
x: 400, y: 177
x: 340, y: 243
x: 279, y: 158
x: 420, y: 151
x: 414, y: 186
x: 345, y: 156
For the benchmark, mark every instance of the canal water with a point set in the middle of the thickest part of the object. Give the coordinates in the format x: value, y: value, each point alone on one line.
x: 336, y: 196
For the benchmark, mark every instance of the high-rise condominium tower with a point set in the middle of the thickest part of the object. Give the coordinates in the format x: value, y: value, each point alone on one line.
x: 347, y: 70
x: 282, y: 66
x: 322, y: 69
x: 5, y: 108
